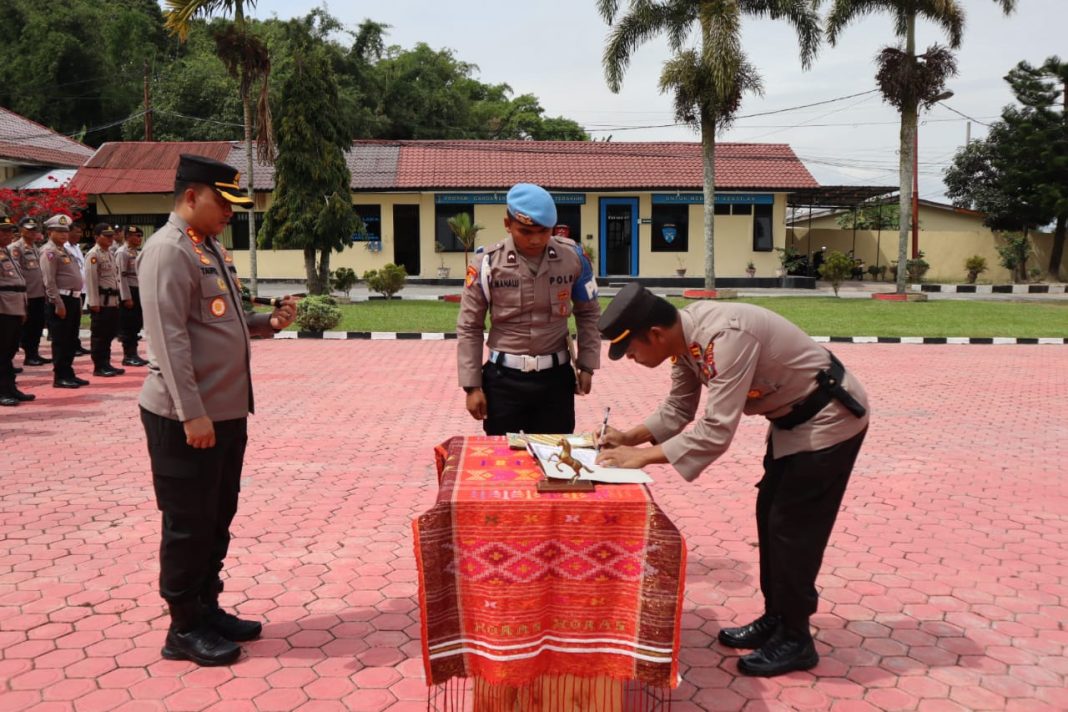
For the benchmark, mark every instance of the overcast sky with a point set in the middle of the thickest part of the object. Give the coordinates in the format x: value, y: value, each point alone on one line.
x: 552, y: 48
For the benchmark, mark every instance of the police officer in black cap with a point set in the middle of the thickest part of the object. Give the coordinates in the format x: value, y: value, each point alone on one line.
x: 131, y: 319
x: 752, y: 362
x: 195, y: 403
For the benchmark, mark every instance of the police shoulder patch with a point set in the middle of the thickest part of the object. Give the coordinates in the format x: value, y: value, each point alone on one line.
x: 472, y: 276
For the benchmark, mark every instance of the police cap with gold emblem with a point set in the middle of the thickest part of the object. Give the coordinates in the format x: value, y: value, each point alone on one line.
x: 103, y: 229
x: 133, y: 230
x: 224, y: 178
x: 531, y: 204
x: 28, y: 223
x: 59, y: 222
x: 632, y: 312
x: 6, y: 224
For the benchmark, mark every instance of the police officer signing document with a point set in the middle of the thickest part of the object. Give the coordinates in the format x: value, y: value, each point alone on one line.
x: 752, y: 361
x: 530, y: 284
x: 195, y: 403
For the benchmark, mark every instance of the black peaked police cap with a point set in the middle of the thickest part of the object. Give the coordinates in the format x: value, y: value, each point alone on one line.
x: 224, y: 178
x: 631, y: 312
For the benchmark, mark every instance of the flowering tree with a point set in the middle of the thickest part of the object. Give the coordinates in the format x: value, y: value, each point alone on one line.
x: 43, y: 204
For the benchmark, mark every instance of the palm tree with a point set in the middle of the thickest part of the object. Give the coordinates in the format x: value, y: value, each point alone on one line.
x: 908, y: 80
x: 247, y: 60
x: 707, y: 81
x: 465, y: 230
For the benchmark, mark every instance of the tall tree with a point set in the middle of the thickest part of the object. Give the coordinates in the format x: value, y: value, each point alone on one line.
x: 908, y: 80
x: 1018, y: 174
x: 246, y: 58
x: 708, y: 81
x: 312, y: 207
x: 77, y: 66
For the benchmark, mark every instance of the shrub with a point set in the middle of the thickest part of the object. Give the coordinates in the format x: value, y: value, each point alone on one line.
x: 343, y: 279
x: 836, y: 268
x: 318, y: 313
x: 1014, y: 254
x: 976, y: 265
x: 386, y: 281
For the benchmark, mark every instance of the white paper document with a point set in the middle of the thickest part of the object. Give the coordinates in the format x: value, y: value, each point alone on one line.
x: 549, y: 457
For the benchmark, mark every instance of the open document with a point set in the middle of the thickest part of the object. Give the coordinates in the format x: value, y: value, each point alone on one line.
x: 548, y: 456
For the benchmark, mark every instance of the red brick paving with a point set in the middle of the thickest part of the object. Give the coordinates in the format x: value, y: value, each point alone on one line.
x: 945, y: 586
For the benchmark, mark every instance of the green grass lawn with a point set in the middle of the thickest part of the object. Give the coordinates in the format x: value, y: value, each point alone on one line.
x: 818, y: 316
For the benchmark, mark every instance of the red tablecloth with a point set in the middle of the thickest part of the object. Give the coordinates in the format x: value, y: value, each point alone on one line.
x: 515, y: 585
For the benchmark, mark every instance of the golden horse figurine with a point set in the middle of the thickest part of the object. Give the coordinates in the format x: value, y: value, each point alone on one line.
x: 565, y: 458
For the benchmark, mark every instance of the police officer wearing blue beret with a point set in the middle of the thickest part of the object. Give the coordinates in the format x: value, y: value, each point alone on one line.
x: 530, y: 284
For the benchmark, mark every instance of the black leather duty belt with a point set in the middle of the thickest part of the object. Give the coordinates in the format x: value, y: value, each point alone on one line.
x: 828, y: 388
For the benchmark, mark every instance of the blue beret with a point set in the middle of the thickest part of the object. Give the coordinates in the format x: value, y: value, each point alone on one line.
x: 532, y: 205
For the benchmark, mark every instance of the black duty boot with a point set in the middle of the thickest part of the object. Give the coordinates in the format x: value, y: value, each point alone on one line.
x: 786, y: 651
x: 191, y: 638
x: 750, y: 636
x: 22, y: 397
x: 8, y: 401
x: 134, y: 360
x: 226, y: 624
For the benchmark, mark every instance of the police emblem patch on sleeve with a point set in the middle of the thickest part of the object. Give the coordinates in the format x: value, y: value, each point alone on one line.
x: 708, y: 366
x: 472, y: 275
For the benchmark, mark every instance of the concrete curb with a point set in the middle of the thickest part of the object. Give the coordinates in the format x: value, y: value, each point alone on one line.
x: 989, y: 288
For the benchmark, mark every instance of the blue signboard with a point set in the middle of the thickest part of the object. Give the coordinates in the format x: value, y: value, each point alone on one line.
x: 721, y: 199
x: 501, y: 198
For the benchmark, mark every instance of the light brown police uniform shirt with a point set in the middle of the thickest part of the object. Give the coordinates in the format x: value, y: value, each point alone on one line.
x: 754, y: 362
x: 101, y: 279
x: 198, y: 332
x: 528, y: 312
x: 59, y: 272
x: 28, y: 258
x: 126, y: 264
x: 12, y: 302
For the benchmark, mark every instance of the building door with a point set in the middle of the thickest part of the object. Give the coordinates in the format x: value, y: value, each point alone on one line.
x: 619, y: 236
x: 406, y: 238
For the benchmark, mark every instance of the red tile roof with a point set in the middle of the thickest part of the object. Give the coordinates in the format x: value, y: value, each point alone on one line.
x: 595, y: 165
x: 25, y: 141
x: 138, y: 167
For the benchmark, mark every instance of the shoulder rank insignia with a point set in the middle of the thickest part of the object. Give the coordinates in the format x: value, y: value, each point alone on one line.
x: 196, y: 237
x: 511, y: 259
x: 552, y: 252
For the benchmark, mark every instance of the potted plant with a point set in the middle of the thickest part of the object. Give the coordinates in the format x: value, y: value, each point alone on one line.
x: 680, y: 270
x: 443, y: 270
x: 591, y: 254
x: 877, y: 272
x: 750, y: 269
x: 976, y: 265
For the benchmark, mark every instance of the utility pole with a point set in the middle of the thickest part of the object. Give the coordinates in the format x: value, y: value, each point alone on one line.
x: 148, y: 105
x: 968, y: 133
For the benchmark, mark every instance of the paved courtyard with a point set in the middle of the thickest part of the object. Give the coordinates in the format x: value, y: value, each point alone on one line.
x: 945, y: 586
